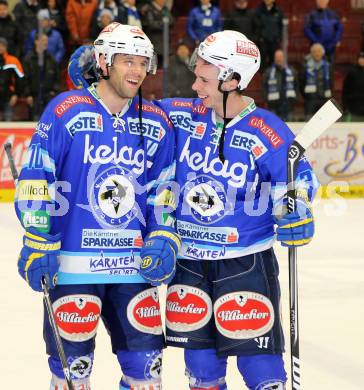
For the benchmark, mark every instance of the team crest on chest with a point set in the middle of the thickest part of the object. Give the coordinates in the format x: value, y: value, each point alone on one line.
x: 205, y: 198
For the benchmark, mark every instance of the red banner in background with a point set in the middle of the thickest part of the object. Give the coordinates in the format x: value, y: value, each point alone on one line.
x: 19, y: 135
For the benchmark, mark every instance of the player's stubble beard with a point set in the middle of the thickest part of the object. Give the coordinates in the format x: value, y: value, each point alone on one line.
x: 118, y: 83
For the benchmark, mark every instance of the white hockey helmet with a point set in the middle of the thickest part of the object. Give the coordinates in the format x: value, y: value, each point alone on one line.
x: 232, y: 52
x: 119, y: 38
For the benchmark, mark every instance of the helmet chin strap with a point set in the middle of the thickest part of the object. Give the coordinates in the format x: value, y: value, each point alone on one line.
x: 225, y: 95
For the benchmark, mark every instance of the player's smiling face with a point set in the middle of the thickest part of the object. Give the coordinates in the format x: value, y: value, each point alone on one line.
x: 206, y: 84
x: 127, y: 74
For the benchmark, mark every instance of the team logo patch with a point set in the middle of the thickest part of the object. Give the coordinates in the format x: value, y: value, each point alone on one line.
x: 143, y: 312
x: 153, y: 368
x: 187, y: 308
x: 113, y: 197
x: 206, y: 198
x: 81, y: 366
x: 77, y: 316
x: 243, y: 315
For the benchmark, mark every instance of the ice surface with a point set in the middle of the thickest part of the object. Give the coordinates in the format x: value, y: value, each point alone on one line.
x: 331, y: 311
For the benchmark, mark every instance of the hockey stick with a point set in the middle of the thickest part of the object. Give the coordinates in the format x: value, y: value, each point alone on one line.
x: 328, y: 114
x: 46, y: 298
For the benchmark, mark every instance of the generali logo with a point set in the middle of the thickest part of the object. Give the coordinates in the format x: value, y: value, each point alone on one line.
x: 274, y: 139
x: 71, y: 101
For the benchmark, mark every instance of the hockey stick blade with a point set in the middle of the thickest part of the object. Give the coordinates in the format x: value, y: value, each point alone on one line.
x: 327, y: 115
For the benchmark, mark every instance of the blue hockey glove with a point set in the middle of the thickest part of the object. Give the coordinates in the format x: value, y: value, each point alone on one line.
x: 82, y: 67
x: 159, y: 255
x: 38, y: 258
x: 297, y: 228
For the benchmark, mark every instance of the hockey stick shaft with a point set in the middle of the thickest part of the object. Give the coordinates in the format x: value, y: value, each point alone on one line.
x: 327, y: 115
x: 46, y: 298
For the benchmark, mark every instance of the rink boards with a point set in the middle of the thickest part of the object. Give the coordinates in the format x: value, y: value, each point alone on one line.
x: 337, y: 157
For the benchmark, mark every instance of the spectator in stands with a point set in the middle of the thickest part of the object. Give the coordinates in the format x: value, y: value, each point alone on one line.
x: 316, y: 80
x: 280, y: 87
x: 242, y: 19
x: 79, y: 15
x: 130, y: 14
x: 42, y: 82
x: 152, y: 21
x: 11, y: 75
x: 180, y: 76
x: 124, y: 12
x: 270, y: 26
x: 353, y: 91
x: 56, y: 12
x: 202, y: 21
x: 104, y: 19
x: 55, y: 40
x: 25, y: 13
x: 324, y: 26
x: 8, y: 28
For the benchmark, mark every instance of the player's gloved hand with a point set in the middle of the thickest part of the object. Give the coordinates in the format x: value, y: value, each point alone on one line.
x: 82, y: 67
x: 159, y: 255
x: 38, y: 258
x: 297, y: 228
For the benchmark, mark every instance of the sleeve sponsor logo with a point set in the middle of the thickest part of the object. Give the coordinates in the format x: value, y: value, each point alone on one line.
x: 178, y: 103
x: 243, y: 315
x: 150, y: 129
x: 200, y: 109
x: 248, y: 142
x: 42, y: 129
x: 166, y: 198
x: 258, y: 123
x: 184, y: 121
x: 85, y: 121
x: 156, y: 110
x: 247, y: 48
x: 70, y: 101
x: 187, y: 308
x: 38, y: 219
x: 33, y: 190
x: 143, y: 312
x: 77, y: 316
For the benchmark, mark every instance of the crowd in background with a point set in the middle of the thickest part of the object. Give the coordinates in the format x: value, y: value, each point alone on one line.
x: 38, y: 36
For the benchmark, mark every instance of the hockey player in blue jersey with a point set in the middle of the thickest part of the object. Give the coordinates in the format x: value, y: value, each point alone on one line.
x: 94, y: 187
x: 232, y: 175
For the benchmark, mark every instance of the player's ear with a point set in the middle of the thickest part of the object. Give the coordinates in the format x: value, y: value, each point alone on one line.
x: 102, y: 64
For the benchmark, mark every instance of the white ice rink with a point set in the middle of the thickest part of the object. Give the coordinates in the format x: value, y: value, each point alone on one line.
x: 331, y: 308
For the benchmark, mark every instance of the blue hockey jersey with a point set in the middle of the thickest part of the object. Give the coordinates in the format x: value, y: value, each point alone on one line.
x: 225, y: 209
x: 93, y: 177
